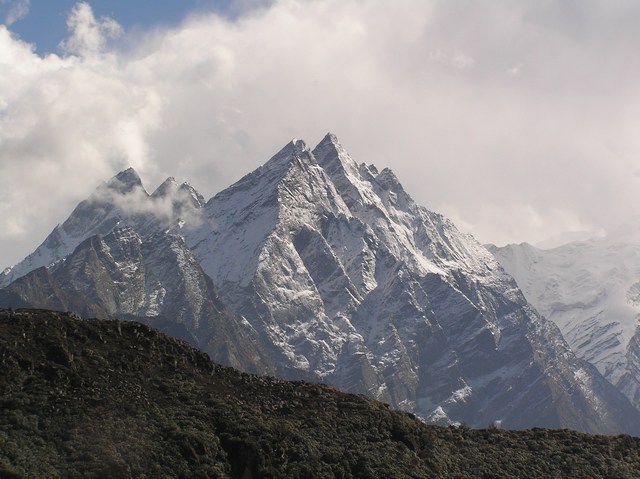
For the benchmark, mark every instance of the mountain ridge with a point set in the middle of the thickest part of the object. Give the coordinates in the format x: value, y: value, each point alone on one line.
x: 336, y: 274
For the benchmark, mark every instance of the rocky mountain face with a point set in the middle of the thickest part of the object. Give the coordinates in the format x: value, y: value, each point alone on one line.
x: 156, y: 280
x: 332, y: 273
x: 118, y: 399
x: 591, y: 290
x: 120, y: 202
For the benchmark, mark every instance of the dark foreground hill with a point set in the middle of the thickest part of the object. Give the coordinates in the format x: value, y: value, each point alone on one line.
x: 118, y: 399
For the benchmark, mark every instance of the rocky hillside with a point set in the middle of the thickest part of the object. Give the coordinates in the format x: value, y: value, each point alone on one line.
x: 116, y: 399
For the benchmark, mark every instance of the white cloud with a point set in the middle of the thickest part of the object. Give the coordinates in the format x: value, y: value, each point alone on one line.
x: 17, y: 9
x: 514, y: 156
x: 176, y: 204
x: 66, y: 123
x: 88, y: 34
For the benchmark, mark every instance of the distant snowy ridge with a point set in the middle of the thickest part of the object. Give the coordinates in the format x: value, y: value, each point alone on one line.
x: 591, y: 290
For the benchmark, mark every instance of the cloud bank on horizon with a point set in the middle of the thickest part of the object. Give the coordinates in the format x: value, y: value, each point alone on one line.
x: 515, y: 119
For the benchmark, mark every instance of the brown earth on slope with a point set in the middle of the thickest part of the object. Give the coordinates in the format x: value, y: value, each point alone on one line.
x: 93, y: 398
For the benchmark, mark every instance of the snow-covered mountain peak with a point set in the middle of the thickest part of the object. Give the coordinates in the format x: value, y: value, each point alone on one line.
x: 179, y: 195
x: 188, y: 191
x: 331, y: 155
x: 263, y: 180
x: 121, y: 201
x: 124, y: 182
x: 361, y: 186
x: 168, y: 186
x: 286, y: 193
x: 330, y: 137
x: 344, y: 276
x: 388, y: 180
x: 296, y: 148
x: 276, y: 168
x: 299, y: 146
x: 355, y: 184
x: 329, y: 141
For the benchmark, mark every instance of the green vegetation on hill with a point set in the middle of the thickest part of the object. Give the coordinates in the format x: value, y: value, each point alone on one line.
x: 119, y: 399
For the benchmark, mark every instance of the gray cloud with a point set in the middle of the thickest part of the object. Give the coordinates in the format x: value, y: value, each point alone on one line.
x: 516, y: 119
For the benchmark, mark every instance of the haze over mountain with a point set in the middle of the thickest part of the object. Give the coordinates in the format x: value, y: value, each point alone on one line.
x: 332, y: 273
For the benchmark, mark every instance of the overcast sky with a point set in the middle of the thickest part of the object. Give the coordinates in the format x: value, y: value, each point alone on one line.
x: 519, y: 120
